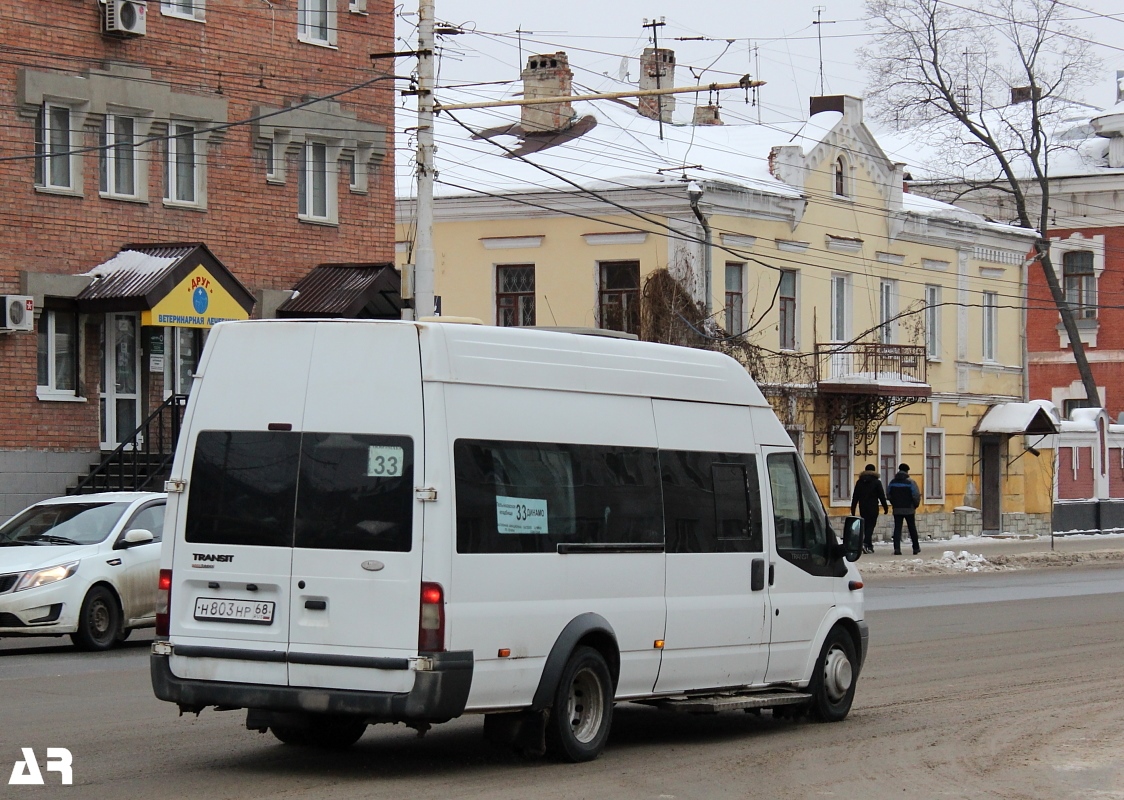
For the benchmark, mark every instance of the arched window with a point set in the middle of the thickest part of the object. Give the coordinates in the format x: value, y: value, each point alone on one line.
x: 840, y: 177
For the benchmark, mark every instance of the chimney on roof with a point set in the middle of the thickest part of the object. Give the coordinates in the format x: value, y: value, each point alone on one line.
x: 706, y: 115
x: 1023, y: 94
x: 547, y: 76
x: 657, y: 71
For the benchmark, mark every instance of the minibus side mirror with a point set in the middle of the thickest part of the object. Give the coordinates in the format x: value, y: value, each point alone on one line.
x: 853, y: 538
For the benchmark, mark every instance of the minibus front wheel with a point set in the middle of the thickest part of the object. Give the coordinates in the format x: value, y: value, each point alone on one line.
x: 582, y: 711
x: 834, y: 678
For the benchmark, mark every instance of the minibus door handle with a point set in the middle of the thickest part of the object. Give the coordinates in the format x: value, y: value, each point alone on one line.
x: 316, y: 605
x: 771, y: 570
x: 757, y: 575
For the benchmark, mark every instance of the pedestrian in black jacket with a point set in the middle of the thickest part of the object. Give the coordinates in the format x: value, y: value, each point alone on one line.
x: 904, y: 497
x: 868, y: 495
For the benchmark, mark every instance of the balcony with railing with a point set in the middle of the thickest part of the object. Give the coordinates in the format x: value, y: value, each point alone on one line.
x: 897, y: 370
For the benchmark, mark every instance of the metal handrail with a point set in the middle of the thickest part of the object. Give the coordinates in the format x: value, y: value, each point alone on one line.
x: 168, y: 416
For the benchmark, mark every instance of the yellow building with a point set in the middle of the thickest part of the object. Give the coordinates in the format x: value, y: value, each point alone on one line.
x: 882, y: 325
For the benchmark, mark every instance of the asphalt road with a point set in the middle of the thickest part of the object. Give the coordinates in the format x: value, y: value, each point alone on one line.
x: 1003, y: 685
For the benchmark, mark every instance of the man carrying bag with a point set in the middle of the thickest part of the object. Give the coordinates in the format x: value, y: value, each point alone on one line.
x: 867, y: 496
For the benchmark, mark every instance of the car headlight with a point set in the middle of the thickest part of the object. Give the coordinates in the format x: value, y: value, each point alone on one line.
x: 41, y: 577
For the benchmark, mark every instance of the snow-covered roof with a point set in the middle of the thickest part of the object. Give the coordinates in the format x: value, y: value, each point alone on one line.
x: 1037, y: 417
x: 131, y: 261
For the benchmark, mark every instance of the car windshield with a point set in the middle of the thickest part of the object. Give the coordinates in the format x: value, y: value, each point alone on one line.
x: 65, y: 523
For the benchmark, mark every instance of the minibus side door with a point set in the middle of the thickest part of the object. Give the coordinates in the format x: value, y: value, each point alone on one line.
x: 803, y: 570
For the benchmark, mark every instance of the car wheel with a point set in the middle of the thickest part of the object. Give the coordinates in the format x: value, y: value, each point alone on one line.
x: 833, y: 682
x: 99, y: 622
x: 322, y: 731
x: 583, y: 708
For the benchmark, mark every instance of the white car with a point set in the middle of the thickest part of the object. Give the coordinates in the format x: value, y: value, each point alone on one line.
x: 85, y: 565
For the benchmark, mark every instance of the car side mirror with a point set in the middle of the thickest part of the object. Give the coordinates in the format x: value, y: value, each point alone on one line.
x: 136, y: 536
x: 853, y: 538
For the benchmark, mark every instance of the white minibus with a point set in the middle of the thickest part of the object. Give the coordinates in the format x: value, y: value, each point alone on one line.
x: 408, y: 522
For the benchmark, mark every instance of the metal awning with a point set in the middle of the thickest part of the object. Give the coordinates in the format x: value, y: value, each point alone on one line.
x: 1017, y: 418
x: 348, y: 291
x: 177, y: 285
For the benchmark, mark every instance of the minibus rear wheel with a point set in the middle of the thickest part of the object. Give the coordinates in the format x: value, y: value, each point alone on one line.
x: 583, y: 708
x: 834, y: 679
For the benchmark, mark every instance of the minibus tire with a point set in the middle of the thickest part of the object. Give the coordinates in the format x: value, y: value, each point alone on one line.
x: 99, y: 621
x: 582, y: 712
x: 323, y: 731
x: 834, y: 679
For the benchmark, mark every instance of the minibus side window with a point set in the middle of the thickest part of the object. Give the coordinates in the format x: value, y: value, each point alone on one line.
x: 711, y: 502
x: 355, y: 492
x: 527, y: 497
x: 242, y: 489
x: 799, y: 519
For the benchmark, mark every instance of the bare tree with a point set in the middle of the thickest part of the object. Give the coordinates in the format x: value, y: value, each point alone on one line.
x: 988, y: 81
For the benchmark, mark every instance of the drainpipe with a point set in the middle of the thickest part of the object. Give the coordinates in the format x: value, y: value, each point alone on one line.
x: 694, y: 194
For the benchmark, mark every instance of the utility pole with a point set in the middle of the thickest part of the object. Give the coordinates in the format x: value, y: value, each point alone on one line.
x: 819, y: 23
x: 423, y: 242
x: 655, y: 25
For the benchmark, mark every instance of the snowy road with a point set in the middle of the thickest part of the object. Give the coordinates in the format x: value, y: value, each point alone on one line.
x: 1003, y: 685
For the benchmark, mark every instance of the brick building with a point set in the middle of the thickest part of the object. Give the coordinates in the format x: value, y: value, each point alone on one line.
x: 163, y: 167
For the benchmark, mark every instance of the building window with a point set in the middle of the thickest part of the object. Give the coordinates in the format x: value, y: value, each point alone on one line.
x: 839, y: 305
x: 1069, y: 406
x: 1080, y: 283
x: 316, y: 21
x: 515, y: 295
x: 889, y: 455
x: 181, y: 170
x: 184, y: 9
x: 118, y: 156
x: 990, y: 325
x: 357, y: 6
x: 786, y: 302
x: 841, y: 482
x: 619, y: 296
x: 58, y: 353
x: 841, y: 178
x: 54, y: 146
x: 316, y: 189
x: 934, y: 466
x: 887, y: 310
x: 933, y: 321
x: 735, y: 294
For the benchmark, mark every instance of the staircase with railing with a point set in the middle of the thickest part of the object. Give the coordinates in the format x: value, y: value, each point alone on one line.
x: 142, y: 461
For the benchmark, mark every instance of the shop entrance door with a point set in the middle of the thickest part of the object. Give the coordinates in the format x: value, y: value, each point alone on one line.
x: 990, y: 483
x: 120, y: 379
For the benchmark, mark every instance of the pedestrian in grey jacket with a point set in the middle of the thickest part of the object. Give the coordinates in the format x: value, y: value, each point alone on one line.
x: 905, y: 497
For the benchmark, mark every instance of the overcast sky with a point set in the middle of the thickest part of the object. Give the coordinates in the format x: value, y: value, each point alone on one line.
x: 774, y: 41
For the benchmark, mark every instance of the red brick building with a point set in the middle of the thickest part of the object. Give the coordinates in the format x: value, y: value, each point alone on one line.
x: 177, y: 123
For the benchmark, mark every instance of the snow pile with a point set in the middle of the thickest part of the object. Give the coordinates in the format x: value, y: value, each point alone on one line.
x: 965, y: 562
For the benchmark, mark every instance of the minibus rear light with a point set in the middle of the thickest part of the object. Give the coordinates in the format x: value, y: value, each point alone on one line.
x: 163, y: 601
x: 431, y: 622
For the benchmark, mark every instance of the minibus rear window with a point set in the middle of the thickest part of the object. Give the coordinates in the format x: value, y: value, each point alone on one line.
x: 526, y: 497
x: 355, y: 491
x: 243, y: 487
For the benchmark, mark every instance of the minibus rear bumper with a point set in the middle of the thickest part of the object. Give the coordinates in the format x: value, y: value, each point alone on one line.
x: 438, y: 695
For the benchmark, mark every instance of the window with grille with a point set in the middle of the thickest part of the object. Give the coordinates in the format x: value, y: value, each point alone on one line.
x: 619, y: 296
x: 1080, y: 283
x: 515, y: 295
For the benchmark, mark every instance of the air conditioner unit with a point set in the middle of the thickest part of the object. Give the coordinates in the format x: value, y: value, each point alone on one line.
x: 126, y: 17
x: 19, y: 313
